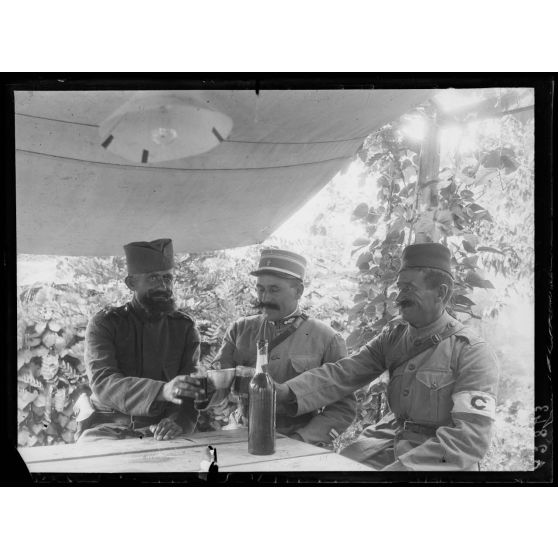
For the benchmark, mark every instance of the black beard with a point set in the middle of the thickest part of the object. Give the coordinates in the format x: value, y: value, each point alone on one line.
x: 158, y: 303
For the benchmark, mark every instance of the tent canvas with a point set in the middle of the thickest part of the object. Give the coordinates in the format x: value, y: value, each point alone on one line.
x: 73, y: 197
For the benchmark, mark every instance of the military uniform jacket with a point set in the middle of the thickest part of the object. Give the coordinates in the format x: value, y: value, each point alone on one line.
x: 451, y: 387
x: 312, y: 344
x: 130, y: 357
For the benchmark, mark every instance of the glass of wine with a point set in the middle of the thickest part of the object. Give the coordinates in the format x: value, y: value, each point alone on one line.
x: 202, y: 400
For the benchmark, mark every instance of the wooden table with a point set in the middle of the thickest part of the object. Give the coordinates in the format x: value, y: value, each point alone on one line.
x: 183, y: 454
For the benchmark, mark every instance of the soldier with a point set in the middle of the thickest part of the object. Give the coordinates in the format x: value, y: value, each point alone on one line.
x: 296, y: 343
x: 139, y: 356
x: 443, y: 378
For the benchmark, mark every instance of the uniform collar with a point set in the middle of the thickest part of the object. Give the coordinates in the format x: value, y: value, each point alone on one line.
x: 437, y: 326
x: 287, y: 320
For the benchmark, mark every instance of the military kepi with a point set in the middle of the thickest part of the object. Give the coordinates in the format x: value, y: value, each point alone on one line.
x: 146, y: 257
x: 281, y: 263
x: 431, y: 254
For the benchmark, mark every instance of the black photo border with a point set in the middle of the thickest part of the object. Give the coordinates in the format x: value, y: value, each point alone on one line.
x: 16, y: 473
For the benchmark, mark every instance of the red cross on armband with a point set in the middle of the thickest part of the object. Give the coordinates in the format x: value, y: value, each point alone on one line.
x: 476, y: 402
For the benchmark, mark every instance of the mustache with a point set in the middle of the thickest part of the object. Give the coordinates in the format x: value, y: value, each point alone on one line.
x: 166, y: 294
x: 403, y: 302
x: 268, y: 305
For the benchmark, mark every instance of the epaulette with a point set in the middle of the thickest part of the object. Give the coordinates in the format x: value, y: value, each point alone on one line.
x: 181, y: 314
x: 111, y: 310
x: 470, y: 336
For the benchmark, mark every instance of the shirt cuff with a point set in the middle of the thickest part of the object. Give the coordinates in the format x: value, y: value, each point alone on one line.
x: 291, y: 405
x: 296, y: 396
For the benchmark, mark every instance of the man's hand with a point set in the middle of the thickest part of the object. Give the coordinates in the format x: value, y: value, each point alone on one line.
x: 180, y: 387
x: 167, y: 429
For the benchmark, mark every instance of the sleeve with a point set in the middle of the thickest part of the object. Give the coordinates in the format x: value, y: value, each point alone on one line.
x: 186, y: 414
x: 127, y: 394
x: 330, y: 382
x: 336, y: 417
x: 464, y: 444
x: 225, y: 356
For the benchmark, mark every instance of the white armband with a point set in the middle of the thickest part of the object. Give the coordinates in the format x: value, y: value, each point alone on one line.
x: 476, y: 402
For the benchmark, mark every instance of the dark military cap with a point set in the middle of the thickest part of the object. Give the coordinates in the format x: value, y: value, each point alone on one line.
x: 431, y: 254
x: 145, y: 257
x: 281, y: 263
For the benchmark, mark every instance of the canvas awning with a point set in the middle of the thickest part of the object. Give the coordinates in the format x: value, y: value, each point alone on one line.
x: 73, y: 197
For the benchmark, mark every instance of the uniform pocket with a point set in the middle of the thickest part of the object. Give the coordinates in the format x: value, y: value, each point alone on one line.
x: 301, y: 363
x: 432, y: 401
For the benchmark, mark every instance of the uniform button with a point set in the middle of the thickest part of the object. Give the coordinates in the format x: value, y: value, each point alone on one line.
x: 412, y: 366
x: 405, y: 392
x: 434, y: 385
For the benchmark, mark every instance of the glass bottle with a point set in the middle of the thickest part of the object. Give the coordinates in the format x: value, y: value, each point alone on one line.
x: 261, y: 416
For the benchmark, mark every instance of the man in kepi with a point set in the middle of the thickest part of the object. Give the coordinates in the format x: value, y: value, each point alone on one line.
x: 443, y: 378
x: 296, y: 343
x: 139, y: 356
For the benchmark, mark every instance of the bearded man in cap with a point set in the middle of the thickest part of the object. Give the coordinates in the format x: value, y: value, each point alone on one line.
x: 442, y: 385
x: 139, y: 356
x: 296, y: 343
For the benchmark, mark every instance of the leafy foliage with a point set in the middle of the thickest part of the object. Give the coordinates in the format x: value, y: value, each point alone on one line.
x: 480, y: 205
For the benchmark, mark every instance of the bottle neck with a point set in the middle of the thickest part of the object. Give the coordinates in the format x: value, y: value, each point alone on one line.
x: 261, y: 359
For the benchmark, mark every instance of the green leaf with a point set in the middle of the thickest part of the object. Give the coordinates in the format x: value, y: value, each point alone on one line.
x: 472, y: 239
x: 404, y: 192
x: 475, y: 280
x: 389, y: 277
x: 501, y: 159
x: 383, y: 182
x: 484, y: 175
x: 468, y: 246
x: 471, y: 261
x: 463, y: 300
x: 360, y: 211
x: 370, y: 310
x: 363, y: 154
x: 476, y: 207
x: 376, y: 157
x: 491, y: 160
x: 379, y: 298
x: 360, y: 296
x: 363, y: 259
x: 490, y: 249
x: 361, y: 241
x: 380, y: 323
x: 373, y: 217
x: 354, y: 311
